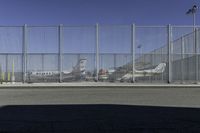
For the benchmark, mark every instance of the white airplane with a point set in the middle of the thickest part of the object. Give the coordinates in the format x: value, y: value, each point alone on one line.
x: 144, y: 73
x: 77, y: 72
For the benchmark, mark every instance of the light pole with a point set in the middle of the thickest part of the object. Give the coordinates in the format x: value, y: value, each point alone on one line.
x: 140, y: 53
x: 193, y: 11
x: 140, y: 47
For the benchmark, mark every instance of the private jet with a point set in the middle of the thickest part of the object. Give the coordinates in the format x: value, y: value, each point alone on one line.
x: 78, y: 72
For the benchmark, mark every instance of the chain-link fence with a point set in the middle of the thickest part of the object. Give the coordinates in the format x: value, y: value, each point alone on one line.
x: 103, y: 53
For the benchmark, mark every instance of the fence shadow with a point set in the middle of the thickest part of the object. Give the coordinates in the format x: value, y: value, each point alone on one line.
x: 98, y: 119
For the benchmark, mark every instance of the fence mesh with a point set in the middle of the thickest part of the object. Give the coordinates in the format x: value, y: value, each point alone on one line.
x: 83, y: 53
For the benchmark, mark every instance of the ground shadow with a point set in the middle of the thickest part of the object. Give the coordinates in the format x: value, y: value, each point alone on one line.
x: 98, y: 119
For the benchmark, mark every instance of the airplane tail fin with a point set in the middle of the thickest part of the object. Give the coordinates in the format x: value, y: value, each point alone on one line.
x: 160, y: 68
x: 81, y: 66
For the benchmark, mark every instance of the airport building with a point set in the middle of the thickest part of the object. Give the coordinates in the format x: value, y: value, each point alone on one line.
x: 100, y: 53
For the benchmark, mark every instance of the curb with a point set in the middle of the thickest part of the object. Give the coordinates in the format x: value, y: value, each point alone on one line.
x: 94, y: 85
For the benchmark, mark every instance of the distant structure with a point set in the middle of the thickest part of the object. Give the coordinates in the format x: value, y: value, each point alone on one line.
x: 193, y: 11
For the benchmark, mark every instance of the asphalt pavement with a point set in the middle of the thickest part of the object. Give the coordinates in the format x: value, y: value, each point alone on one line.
x: 178, y: 97
x: 99, y: 109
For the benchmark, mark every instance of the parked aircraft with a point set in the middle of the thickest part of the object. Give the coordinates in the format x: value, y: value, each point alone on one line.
x: 122, y: 74
x: 78, y: 72
x: 103, y: 74
x: 144, y: 73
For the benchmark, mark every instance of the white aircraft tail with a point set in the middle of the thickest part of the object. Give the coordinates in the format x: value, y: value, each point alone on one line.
x: 160, y: 68
x: 81, y: 66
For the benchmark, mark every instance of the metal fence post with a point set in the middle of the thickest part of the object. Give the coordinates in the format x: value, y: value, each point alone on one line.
x: 24, y: 60
x: 169, y: 53
x: 60, y: 44
x: 7, y: 67
x: 97, y: 51
x: 42, y: 56
x: 115, y: 61
x: 196, y: 57
x: 161, y: 56
x: 182, y: 58
x: 133, y: 51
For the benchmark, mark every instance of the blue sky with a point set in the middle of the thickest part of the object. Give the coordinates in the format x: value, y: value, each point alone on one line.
x: 84, y: 12
x: 90, y: 12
